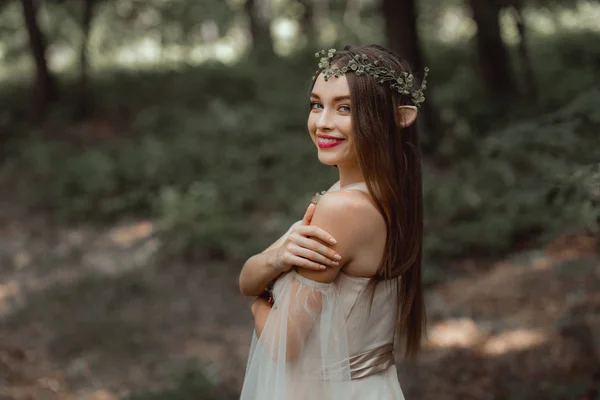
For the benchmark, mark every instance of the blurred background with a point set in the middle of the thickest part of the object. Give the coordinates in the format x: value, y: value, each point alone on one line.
x: 148, y: 148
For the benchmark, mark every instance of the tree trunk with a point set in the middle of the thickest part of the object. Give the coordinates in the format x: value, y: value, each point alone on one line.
x: 525, y: 60
x: 307, y: 23
x: 493, y: 59
x: 402, y: 38
x: 258, y: 12
x: 401, y: 31
x: 46, y: 88
x: 84, y: 95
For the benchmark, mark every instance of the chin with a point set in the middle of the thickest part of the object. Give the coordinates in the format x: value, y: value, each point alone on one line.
x: 327, y: 159
x: 327, y: 162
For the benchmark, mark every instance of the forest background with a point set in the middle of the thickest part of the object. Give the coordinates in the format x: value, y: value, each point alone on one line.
x: 148, y: 148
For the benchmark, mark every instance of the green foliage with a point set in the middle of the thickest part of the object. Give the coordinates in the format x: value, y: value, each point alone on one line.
x: 238, y: 139
x: 117, y: 23
x: 575, y: 55
x: 220, y: 155
x: 564, y: 64
x: 536, y: 176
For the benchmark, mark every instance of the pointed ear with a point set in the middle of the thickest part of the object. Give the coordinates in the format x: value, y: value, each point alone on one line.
x: 406, y: 116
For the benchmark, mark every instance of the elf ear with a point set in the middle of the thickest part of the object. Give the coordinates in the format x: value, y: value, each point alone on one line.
x: 406, y: 116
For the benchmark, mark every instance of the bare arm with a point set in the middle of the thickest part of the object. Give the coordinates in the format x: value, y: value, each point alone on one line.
x: 260, y: 310
x: 302, y: 246
x: 303, y: 313
x: 259, y: 270
x: 338, y: 213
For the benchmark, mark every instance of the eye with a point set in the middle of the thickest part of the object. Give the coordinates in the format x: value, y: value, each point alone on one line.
x: 345, y: 109
x: 314, y: 105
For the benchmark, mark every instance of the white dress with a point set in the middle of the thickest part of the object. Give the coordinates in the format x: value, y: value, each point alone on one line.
x: 320, y: 342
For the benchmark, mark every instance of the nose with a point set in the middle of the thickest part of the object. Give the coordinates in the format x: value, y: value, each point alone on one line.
x: 325, y: 121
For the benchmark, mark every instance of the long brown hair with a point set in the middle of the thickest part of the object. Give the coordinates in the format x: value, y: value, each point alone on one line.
x: 390, y: 159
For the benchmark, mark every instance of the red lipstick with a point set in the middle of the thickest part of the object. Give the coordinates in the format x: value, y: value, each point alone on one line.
x: 325, y: 144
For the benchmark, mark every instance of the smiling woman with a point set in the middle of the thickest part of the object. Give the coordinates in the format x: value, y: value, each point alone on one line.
x: 337, y: 305
x: 329, y: 121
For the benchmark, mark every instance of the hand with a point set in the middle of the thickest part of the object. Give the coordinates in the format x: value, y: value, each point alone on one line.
x: 302, y: 249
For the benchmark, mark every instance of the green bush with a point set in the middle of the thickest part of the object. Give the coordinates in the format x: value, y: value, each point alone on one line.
x: 221, y: 158
x: 535, y: 177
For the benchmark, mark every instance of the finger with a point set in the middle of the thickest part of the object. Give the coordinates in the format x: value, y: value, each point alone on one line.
x: 312, y: 256
x: 317, y: 247
x: 304, y: 263
x: 315, y: 231
x: 308, y: 214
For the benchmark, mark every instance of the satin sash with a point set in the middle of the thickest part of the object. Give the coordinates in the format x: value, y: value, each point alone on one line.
x: 371, y: 361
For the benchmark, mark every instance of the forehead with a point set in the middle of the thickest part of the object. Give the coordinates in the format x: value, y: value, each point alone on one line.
x: 334, y: 87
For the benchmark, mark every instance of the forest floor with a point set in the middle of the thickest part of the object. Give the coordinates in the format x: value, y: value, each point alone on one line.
x: 86, y: 313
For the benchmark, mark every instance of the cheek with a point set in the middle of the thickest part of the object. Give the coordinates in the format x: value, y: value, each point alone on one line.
x: 311, y: 123
x: 346, y: 126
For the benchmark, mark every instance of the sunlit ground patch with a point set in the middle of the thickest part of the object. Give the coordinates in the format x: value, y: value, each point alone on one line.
x: 516, y: 340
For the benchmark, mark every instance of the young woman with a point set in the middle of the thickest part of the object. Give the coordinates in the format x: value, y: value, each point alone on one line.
x: 348, y: 275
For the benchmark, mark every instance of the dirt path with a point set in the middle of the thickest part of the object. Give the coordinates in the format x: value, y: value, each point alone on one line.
x: 86, y: 314
x: 528, y: 328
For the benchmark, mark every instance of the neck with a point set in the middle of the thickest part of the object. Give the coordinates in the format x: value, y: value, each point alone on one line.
x: 350, y: 174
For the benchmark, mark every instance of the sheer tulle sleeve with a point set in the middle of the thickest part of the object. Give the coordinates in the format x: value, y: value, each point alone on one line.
x: 302, y: 352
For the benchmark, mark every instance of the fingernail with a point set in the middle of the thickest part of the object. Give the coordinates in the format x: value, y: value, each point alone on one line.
x: 337, y: 256
x: 323, y: 267
x: 332, y: 240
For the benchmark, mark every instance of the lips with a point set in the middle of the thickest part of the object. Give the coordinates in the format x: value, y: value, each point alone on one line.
x: 329, y: 137
x: 327, y: 141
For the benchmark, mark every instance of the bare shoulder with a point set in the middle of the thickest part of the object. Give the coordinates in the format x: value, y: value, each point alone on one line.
x: 352, y: 204
x: 348, y: 217
x: 351, y: 213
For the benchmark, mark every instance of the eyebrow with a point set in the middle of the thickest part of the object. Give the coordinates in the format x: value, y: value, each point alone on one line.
x: 335, y: 99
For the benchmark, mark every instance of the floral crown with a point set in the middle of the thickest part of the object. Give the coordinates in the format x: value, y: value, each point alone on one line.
x: 360, y: 64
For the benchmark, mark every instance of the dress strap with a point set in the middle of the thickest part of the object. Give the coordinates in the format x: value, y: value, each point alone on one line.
x: 362, y: 186
x: 372, y: 361
x: 358, y: 186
